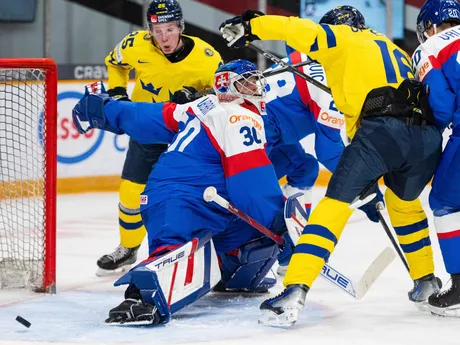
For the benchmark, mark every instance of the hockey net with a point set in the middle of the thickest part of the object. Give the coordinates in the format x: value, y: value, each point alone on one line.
x: 28, y: 102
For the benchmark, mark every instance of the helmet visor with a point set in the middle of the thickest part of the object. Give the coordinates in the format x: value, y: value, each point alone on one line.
x: 251, y: 84
x: 421, y: 33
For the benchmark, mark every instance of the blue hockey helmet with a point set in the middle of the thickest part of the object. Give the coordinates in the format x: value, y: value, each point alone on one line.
x: 344, y: 15
x: 435, y: 12
x: 240, y: 79
x: 165, y: 11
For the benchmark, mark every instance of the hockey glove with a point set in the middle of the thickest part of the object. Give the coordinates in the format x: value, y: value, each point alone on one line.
x: 370, y: 208
x: 119, y: 94
x: 91, y: 109
x: 186, y: 95
x: 237, y: 30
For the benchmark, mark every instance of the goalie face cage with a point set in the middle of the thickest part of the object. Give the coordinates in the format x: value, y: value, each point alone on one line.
x: 28, y: 115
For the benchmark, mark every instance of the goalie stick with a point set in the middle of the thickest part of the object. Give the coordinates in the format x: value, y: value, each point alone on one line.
x: 356, y: 290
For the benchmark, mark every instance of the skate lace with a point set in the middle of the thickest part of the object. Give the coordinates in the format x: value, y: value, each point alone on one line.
x: 278, y: 295
x: 445, y: 292
x: 118, y: 253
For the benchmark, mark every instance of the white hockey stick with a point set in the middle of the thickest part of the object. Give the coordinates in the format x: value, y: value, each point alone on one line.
x: 356, y: 290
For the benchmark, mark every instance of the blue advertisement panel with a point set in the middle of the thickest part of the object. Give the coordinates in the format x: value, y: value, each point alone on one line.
x: 373, y: 11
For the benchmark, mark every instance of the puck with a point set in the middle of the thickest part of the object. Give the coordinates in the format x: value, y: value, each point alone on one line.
x: 23, y: 321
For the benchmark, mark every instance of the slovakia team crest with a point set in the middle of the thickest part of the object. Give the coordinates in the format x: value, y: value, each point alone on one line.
x: 263, y: 107
x: 221, y: 82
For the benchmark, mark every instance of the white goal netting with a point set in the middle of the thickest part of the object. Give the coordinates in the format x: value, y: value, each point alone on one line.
x: 22, y: 178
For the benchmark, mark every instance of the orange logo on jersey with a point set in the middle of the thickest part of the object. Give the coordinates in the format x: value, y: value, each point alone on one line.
x: 423, y: 69
x: 325, y: 117
x: 237, y: 118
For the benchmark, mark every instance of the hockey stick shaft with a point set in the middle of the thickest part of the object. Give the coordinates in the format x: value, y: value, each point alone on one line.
x: 210, y: 194
x: 280, y: 62
x: 268, y: 74
x: 385, y: 226
x: 357, y: 291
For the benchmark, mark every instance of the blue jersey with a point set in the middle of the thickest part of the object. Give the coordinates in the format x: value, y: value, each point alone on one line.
x: 436, y: 63
x: 212, y: 144
x: 296, y: 109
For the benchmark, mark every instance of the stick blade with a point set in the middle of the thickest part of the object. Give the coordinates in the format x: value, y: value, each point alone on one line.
x: 381, y: 262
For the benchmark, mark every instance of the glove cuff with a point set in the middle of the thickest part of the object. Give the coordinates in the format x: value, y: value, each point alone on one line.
x: 246, y: 21
x: 251, y: 14
x: 119, y: 94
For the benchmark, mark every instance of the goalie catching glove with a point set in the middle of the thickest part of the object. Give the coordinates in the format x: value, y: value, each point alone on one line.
x: 237, y: 31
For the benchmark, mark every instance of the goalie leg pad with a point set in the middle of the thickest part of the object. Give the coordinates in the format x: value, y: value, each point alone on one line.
x: 172, y: 280
x: 245, y: 268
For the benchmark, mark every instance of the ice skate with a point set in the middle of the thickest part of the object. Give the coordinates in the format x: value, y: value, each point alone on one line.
x: 447, y: 303
x: 266, y: 284
x: 117, y: 262
x: 283, y: 309
x: 133, y: 312
x: 423, y: 288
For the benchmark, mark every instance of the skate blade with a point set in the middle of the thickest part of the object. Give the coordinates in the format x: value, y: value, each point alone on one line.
x: 287, y: 319
x: 453, y: 311
x: 422, y: 306
x: 117, y: 272
x: 131, y: 323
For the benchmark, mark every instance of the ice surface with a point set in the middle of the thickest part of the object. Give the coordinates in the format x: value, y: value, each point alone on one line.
x: 87, y: 228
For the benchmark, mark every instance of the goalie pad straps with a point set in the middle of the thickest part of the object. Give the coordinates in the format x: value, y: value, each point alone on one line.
x: 177, y: 278
x: 246, y: 267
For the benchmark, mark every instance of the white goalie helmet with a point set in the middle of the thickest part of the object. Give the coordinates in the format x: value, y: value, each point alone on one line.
x: 240, y: 81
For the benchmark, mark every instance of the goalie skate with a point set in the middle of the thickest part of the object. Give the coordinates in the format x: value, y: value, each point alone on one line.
x: 133, y: 312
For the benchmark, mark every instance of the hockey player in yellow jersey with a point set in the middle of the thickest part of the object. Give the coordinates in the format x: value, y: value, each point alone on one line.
x: 164, y: 61
x: 390, y: 124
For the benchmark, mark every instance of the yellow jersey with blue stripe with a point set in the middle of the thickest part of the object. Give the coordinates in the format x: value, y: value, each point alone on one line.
x: 157, y: 78
x: 355, y: 60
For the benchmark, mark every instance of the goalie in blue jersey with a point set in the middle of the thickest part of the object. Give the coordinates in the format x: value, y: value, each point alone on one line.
x: 216, y: 140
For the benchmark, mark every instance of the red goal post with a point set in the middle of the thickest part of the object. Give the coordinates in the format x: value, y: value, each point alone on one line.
x: 28, y: 151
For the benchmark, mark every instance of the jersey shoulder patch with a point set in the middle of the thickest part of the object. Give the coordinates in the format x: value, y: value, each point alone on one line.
x: 205, y: 105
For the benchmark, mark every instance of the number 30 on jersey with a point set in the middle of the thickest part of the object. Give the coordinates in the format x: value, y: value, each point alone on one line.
x: 250, y: 135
